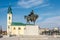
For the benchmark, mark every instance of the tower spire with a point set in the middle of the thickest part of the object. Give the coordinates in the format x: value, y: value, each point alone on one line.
x: 9, y: 10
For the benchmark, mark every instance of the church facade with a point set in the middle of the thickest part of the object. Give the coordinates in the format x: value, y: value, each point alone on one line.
x: 16, y: 28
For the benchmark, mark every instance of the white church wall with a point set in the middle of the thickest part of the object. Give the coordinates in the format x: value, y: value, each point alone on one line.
x: 19, y: 30
x: 9, y: 21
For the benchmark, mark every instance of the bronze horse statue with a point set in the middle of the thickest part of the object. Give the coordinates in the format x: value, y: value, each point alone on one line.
x: 31, y: 17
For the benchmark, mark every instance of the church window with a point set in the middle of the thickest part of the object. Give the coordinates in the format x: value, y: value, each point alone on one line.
x: 14, y: 28
x: 19, y: 28
x: 9, y: 18
x: 24, y: 28
x: 8, y: 27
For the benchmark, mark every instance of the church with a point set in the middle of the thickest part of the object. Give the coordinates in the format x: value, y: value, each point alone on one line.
x: 17, y: 28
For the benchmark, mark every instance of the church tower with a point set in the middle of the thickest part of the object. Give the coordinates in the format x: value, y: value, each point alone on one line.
x: 9, y: 20
x: 9, y: 16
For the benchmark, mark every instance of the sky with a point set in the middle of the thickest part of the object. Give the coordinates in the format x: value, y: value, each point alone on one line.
x: 47, y: 10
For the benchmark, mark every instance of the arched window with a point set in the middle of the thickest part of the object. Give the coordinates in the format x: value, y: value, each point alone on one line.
x: 9, y: 17
x: 14, y: 28
x: 19, y: 28
x: 24, y: 28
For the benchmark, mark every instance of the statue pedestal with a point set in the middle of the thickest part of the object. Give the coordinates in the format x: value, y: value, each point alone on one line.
x: 31, y: 30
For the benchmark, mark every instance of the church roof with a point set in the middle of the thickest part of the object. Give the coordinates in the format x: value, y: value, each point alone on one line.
x: 19, y: 24
x: 9, y: 10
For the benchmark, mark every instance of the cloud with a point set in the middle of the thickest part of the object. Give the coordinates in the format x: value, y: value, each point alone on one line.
x: 31, y: 3
x: 50, y: 14
x: 43, y: 5
x: 51, y: 22
x: 46, y: 14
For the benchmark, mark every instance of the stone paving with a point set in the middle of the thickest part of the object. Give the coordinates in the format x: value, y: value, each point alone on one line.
x: 31, y: 38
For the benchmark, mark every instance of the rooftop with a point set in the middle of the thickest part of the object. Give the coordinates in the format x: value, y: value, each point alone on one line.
x: 19, y: 24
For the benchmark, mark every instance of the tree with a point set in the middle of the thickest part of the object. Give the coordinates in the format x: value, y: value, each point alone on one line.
x: 0, y: 30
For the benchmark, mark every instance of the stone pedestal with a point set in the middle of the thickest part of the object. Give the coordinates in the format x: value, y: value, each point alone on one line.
x: 31, y: 30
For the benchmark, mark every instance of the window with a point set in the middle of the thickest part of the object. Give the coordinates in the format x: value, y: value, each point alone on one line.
x: 9, y: 17
x: 14, y: 28
x: 8, y: 27
x: 19, y: 28
x: 24, y: 28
